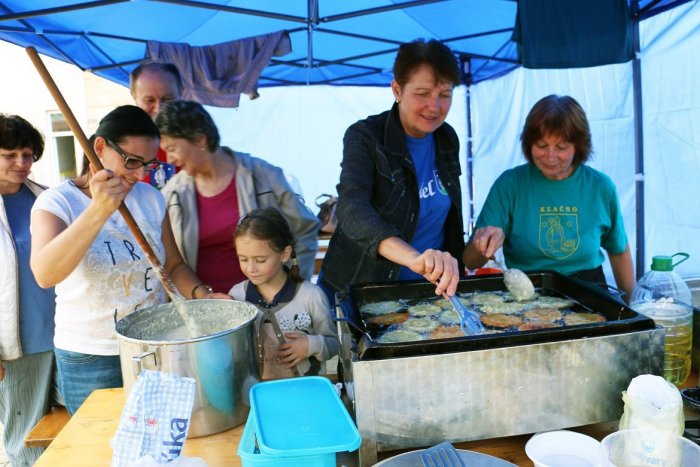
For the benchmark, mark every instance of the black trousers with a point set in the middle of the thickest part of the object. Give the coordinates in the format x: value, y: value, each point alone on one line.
x: 594, y: 276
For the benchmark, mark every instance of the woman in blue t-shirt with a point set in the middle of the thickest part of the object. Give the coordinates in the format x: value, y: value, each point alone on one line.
x: 399, y: 206
x: 554, y: 212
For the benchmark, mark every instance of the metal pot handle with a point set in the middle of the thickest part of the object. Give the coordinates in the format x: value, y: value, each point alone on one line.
x: 142, y: 361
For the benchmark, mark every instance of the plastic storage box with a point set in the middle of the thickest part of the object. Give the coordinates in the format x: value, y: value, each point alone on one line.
x: 296, y: 422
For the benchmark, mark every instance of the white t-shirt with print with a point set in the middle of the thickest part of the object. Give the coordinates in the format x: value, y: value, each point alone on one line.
x: 114, y: 278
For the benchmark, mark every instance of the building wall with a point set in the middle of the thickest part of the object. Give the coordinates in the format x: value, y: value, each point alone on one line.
x: 23, y: 92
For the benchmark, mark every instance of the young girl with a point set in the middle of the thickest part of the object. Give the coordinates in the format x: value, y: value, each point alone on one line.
x: 296, y: 333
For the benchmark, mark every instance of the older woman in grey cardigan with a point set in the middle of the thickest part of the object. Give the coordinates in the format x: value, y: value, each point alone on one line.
x: 216, y: 187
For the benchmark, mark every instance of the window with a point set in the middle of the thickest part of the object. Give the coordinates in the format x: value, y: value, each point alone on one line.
x: 63, y: 145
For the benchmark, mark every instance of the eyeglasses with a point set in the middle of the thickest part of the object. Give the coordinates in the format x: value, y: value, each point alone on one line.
x: 133, y: 163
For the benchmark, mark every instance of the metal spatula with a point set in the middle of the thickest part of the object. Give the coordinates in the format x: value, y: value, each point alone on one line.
x: 441, y: 455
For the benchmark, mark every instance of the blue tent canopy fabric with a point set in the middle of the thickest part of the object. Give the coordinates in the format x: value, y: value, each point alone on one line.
x: 336, y: 42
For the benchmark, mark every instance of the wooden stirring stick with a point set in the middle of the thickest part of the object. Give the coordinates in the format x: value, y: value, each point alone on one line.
x: 95, y: 162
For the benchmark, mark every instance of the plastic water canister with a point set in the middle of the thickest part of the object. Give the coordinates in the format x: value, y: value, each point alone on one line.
x: 663, y: 295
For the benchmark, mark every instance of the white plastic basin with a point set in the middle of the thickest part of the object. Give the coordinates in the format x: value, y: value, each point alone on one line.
x: 563, y: 449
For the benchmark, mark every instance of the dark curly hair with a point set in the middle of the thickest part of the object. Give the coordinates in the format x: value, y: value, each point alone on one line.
x: 17, y: 133
x: 187, y: 120
x: 561, y: 116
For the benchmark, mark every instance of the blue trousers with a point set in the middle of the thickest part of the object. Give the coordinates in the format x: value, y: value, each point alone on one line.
x: 25, y: 396
x: 79, y: 374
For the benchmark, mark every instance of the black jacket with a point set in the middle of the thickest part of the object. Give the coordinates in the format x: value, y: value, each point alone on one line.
x: 378, y: 198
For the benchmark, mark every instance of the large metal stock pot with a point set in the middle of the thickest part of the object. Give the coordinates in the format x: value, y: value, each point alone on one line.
x: 218, y: 349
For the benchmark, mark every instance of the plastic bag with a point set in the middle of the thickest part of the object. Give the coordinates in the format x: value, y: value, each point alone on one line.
x: 155, y: 419
x: 326, y: 212
x: 652, y: 404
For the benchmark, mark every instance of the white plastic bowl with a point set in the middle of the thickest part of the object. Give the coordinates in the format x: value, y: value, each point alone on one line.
x: 563, y: 449
x: 635, y: 447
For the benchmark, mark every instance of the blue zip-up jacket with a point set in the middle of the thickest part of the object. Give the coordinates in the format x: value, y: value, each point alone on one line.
x: 378, y: 198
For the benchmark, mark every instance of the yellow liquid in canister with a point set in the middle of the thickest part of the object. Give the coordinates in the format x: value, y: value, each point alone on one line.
x: 677, y: 323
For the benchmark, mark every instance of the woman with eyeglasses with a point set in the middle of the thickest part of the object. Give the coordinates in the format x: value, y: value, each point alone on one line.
x: 83, y: 247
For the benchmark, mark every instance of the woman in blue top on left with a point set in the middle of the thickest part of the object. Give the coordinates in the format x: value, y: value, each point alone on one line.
x: 26, y: 310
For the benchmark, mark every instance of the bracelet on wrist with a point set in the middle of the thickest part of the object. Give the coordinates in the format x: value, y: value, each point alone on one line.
x: 207, y: 287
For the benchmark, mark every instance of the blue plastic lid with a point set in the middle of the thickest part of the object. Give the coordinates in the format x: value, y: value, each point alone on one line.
x: 301, y: 417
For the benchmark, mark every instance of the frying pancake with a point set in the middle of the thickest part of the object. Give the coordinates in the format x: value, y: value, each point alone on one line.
x: 507, y: 308
x: 400, y: 335
x: 553, y: 302
x: 446, y: 332
x: 449, y: 317
x: 424, y: 309
x: 447, y: 305
x: 543, y: 315
x: 531, y: 326
x: 583, y: 318
x: 388, y: 319
x: 381, y: 308
x: 442, y: 303
x: 500, y: 320
x: 486, y: 298
x: 510, y: 298
x: 419, y: 324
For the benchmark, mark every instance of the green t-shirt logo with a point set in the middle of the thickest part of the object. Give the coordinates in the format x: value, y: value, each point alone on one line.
x: 558, y: 234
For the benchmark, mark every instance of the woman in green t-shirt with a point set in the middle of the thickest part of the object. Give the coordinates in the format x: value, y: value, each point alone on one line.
x: 554, y: 212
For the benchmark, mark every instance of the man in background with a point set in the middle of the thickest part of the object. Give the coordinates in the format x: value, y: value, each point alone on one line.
x: 152, y: 85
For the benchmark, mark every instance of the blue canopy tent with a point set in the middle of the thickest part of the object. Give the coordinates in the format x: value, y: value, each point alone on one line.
x: 334, y: 42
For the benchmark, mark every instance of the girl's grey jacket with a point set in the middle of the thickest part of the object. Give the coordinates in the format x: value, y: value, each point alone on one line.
x: 259, y: 184
x: 10, y: 346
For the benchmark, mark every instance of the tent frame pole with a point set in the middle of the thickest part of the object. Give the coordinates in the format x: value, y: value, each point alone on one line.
x: 467, y: 80
x: 312, y: 21
x: 638, y: 143
x: 470, y: 163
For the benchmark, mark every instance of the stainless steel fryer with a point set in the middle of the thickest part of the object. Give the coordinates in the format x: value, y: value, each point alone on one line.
x: 421, y: 393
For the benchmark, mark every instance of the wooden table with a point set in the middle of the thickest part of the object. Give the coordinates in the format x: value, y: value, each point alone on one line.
x: 84, y: 441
